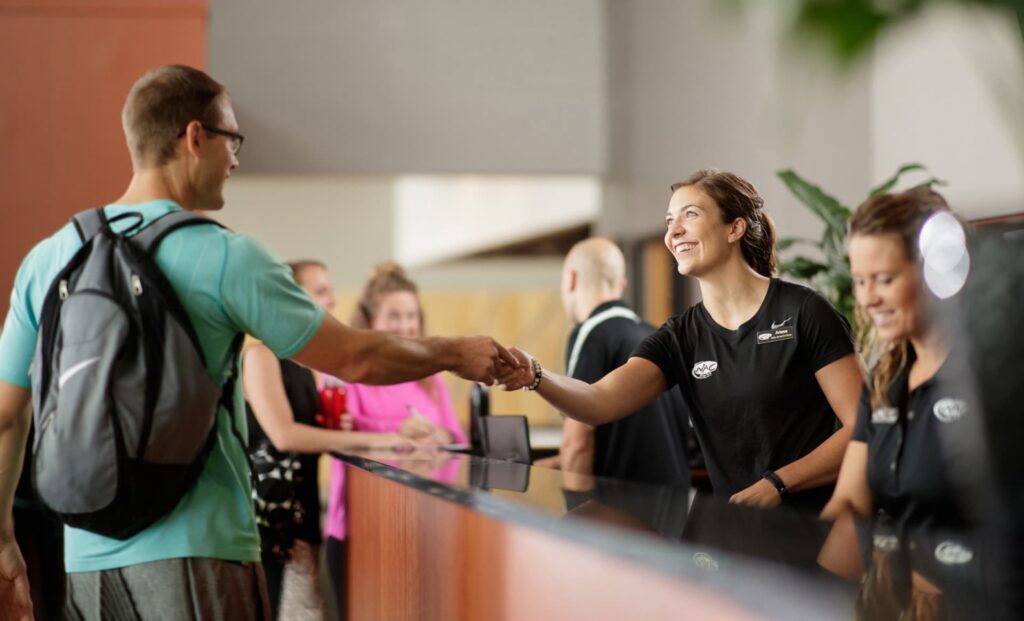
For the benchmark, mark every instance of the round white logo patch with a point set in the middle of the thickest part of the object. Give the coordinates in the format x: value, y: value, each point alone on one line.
x: 704, y: 369
x: 949, y: 410
x: 703, y: 560
x: 952, y: 553
x: 887, y: 543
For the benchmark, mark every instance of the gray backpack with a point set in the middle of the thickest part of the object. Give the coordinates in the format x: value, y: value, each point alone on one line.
x: 124, y: 408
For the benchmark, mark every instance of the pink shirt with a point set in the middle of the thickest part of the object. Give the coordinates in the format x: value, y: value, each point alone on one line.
x: 382, y: 409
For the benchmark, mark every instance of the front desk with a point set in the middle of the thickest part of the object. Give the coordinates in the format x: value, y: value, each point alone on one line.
x: 452, y: 536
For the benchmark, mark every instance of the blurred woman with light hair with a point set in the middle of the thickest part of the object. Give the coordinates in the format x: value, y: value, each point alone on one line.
x: 898, y: 460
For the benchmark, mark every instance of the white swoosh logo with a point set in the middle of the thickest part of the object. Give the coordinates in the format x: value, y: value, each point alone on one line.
x: 776, y: 326
x: 75, y: 370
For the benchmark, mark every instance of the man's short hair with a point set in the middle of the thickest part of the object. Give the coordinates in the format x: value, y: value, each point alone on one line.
x: 159, y: 106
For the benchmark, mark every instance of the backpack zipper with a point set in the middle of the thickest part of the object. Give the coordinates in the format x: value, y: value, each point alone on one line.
x: 136, y: 284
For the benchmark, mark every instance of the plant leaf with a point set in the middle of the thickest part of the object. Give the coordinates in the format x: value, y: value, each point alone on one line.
x: 827, y: 208
x: 785, y: 243
x: 891, y: 182
x: 802, y: 267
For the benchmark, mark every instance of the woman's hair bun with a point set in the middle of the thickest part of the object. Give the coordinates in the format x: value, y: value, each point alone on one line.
x: 387, y: 269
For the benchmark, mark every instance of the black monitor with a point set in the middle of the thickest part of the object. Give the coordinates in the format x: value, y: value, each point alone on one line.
x: 506, y: 438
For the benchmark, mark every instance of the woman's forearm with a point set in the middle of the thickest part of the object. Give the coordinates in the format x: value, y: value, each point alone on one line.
x: 301, y: 438
x: 820, y: 466
x: 617, y: 395
x: 576, y: 399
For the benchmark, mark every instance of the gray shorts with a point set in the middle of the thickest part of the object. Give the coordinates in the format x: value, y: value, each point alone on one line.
x: 198, y: 589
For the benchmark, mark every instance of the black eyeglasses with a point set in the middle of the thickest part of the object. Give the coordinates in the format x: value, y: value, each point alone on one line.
x: 235, y: 139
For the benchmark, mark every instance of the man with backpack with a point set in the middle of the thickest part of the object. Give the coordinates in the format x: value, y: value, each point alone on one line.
x: 123, y: 329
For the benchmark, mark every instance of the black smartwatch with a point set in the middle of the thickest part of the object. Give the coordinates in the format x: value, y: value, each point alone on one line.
x: 774, y: 479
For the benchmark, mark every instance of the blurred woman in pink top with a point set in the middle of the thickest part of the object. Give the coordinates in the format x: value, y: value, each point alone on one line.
x: 421, y: 409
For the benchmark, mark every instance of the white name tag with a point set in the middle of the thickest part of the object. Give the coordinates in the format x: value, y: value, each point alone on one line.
x: 884, y: 416
x: 773, y: 336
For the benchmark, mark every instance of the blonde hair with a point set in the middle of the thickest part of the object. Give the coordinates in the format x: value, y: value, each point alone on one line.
x: 901, y: 214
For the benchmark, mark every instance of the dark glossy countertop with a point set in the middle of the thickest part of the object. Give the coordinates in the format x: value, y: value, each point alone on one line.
x: 771, y: 555
x: 778, y: 563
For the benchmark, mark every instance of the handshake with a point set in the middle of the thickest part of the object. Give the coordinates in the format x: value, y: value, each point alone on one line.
x: 482, y: 359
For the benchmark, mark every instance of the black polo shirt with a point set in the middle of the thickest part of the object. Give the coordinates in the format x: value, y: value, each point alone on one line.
x: 914, y: 443
x: 650, y: 445
x: 751, y: 392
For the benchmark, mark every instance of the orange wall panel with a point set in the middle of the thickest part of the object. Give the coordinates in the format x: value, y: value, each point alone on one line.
x: 67, y: 69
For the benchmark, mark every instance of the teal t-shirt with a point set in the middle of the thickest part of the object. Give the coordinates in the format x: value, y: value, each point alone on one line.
x: 228, y: 283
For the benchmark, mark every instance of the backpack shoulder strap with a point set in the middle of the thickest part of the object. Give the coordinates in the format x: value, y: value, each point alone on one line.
x: 588, y: 326
x: 89, y: 223
x: 150, y: 237
x: 227, y: 400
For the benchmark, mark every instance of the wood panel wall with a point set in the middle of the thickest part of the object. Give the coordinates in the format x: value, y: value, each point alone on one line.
x: 67, y: 67
x: 530, y: 319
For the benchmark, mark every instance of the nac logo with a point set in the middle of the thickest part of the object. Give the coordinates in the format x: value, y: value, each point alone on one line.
x: 764, y: 336
x: 886, y: 543
x: 884, y: 416
x: 705, y: 561
x: 950, y: 410
x: 704, y: 369
x: 952, y: 553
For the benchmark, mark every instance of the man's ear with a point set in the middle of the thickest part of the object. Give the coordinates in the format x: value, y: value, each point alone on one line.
x: 194, y: 137
x: 573, y: 279
x: 737, y: 229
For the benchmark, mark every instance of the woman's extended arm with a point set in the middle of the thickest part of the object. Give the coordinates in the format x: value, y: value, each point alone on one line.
x: 852, y: 493
x: 618, y: 394
x: 841, y: 382
x: 264, y: 390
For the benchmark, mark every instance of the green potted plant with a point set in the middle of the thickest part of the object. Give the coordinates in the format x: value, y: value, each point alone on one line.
x: 829, y: 273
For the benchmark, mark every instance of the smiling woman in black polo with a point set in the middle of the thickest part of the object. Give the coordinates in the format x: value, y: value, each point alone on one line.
x: 916, y: 404
x: 766, y: 368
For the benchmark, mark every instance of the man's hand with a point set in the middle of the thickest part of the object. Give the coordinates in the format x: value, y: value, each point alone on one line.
x: 480, y: 357
x: 760, y: 494
x: 14, y: 593
x: 514, y: 378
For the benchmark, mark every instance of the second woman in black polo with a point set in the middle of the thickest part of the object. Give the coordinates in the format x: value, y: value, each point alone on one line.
x: 917, y: 409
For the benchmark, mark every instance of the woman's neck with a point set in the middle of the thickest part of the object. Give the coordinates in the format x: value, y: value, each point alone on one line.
x: 931, y: 348
x: 733, y: 294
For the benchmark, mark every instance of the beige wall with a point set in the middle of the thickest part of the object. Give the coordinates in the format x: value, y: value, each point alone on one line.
x: 344, y: 221
x: 407, y: 86
x: 948, y: 91
x: 693, y: 86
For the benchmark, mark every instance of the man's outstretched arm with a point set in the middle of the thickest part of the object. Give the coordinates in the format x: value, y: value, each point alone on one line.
x: 375, y: 357
x: 15, y: 419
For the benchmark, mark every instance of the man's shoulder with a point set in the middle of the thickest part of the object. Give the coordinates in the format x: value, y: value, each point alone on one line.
x: 51, y: 253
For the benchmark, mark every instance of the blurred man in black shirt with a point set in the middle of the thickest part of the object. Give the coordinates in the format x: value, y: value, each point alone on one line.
x: 648, y: 446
